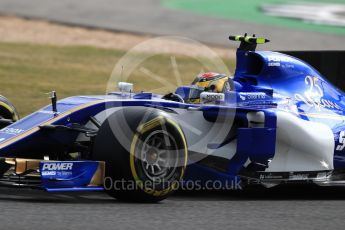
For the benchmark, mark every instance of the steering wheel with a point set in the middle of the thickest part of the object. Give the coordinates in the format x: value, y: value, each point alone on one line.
x: 173, y: 97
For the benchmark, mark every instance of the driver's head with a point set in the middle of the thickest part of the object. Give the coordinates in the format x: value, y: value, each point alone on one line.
x: 212, y: 82
x: 208, y: 82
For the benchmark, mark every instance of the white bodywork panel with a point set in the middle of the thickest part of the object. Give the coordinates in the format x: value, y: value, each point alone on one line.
x: 302, y: 145
x: 200, y: 133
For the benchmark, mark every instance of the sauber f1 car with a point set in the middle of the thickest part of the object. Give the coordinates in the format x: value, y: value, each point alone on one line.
x: 277, y: 120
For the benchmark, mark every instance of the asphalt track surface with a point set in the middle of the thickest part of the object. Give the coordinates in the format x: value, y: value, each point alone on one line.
x: 284, y: 208
x: 149, y: 17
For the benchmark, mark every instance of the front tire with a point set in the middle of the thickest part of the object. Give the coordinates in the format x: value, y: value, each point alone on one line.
x: 7, y: 111
x: 145, y: 153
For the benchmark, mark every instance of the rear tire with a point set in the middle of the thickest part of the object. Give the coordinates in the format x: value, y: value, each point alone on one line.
x: 145, y: 153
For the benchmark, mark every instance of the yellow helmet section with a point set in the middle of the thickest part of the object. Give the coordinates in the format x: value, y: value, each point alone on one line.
x: 211, y: 82
x: 219, y: 84
x: 204, y: 84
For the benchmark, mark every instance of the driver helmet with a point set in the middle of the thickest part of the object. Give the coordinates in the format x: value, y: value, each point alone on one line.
x: 209, y: 82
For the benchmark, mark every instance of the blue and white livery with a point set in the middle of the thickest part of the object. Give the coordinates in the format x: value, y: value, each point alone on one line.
x: 277, y: 120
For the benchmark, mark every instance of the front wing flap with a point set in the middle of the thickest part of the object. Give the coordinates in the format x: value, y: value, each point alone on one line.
x: 55, y: 176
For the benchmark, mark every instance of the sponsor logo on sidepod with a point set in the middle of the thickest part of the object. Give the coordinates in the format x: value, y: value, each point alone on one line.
x: 212, y: 97
x: 57, y: 166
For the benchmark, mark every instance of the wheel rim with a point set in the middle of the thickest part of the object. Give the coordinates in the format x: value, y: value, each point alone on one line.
x: 159, y: 155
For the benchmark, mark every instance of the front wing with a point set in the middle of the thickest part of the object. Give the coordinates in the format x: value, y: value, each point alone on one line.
x: 54, y: 176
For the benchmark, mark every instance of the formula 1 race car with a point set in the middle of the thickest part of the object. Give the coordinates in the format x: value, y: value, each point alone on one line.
x: 277, y: 120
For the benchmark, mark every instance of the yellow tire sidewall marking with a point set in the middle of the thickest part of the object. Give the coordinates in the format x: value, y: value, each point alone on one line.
x: 10, y: 109
x: 143, y: 129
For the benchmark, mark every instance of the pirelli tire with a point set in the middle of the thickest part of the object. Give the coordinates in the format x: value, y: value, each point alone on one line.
x: 7, y: 111
x: 145, y: 152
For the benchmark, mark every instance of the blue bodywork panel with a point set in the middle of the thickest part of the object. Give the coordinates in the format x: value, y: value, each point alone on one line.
x: 310, y: 96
